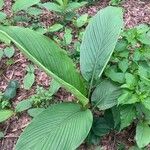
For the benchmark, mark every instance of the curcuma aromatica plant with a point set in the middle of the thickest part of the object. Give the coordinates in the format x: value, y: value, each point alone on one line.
x: 65, y: 126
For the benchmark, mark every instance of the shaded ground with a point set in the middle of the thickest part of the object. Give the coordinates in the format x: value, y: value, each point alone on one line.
x: 136, y: 12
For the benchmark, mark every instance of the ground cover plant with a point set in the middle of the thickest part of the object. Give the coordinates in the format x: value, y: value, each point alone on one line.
x: 129, y: 69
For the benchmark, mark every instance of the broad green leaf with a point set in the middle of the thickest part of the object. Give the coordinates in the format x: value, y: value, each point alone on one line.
x: 128, y: 97
x: 105, y: 95
x: 24, y: 105
x: 137, y: 55
x: 50, y: 57
x: 5, y: 114
x: 142, y: 28
x: 123, y: 98
x: 142, y: 110
x: 9, y: 52
x: 100, y: 127
x: 123, y: 65
x: 2, y: 16
x: 130, y: 36
x: 54, y: 28
x: 52, y: 7
x: 124, y: 54
x: 41, y: 30
x: 116, y: 116
x: 92, y: 138
x: 121, y: 45
x: 109, y: 118
x: 144, y: 39
x: 11, y: 89
x: 115, y: 76
x: 1, y: 3
x: 127, y: 115
x: 35, y: 111
x: 30, y: 68
x: 131, y: 80
x: 23, y: 4
x: 99, y: 42
x: 82, y: 20
x: 146, y: 81
x: 61, y: 126
x: 142, y: 134
x: 143, y: 72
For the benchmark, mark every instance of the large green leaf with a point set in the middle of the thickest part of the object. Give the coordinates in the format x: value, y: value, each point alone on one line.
x: 51, y: 58
x: 100, y: 127
x: 99, y: 42
x: 127, y: 115
x: 60, y: 127
x: 105, y: 95
x: 23, y: 4
x: 142, y: 134
x: 5, y: 114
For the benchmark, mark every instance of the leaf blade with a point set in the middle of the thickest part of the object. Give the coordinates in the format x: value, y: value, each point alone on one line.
x: 127, y: 115
x: 62, y: 126
x: 142, y: 135
x: 105, y: 95
x: 37, y: 47
x: 99, y: 42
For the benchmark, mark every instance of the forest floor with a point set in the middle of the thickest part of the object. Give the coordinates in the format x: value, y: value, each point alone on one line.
x: 136, y: 12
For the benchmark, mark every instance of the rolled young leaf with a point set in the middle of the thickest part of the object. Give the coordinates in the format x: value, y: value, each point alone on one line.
x: 61, y: 126
x: 50, y: 57
x: 99, y: 42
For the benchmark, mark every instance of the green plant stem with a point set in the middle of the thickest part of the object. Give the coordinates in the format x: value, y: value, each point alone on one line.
x: 91, y: 82
x: 90, y: 88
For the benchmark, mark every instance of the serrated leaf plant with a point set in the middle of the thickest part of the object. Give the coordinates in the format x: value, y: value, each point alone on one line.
x: 129, y: 68
x: 65, y: 126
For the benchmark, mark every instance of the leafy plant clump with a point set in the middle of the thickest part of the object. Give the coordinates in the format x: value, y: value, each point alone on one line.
x: 129, y: 68
x: 65, y: 126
